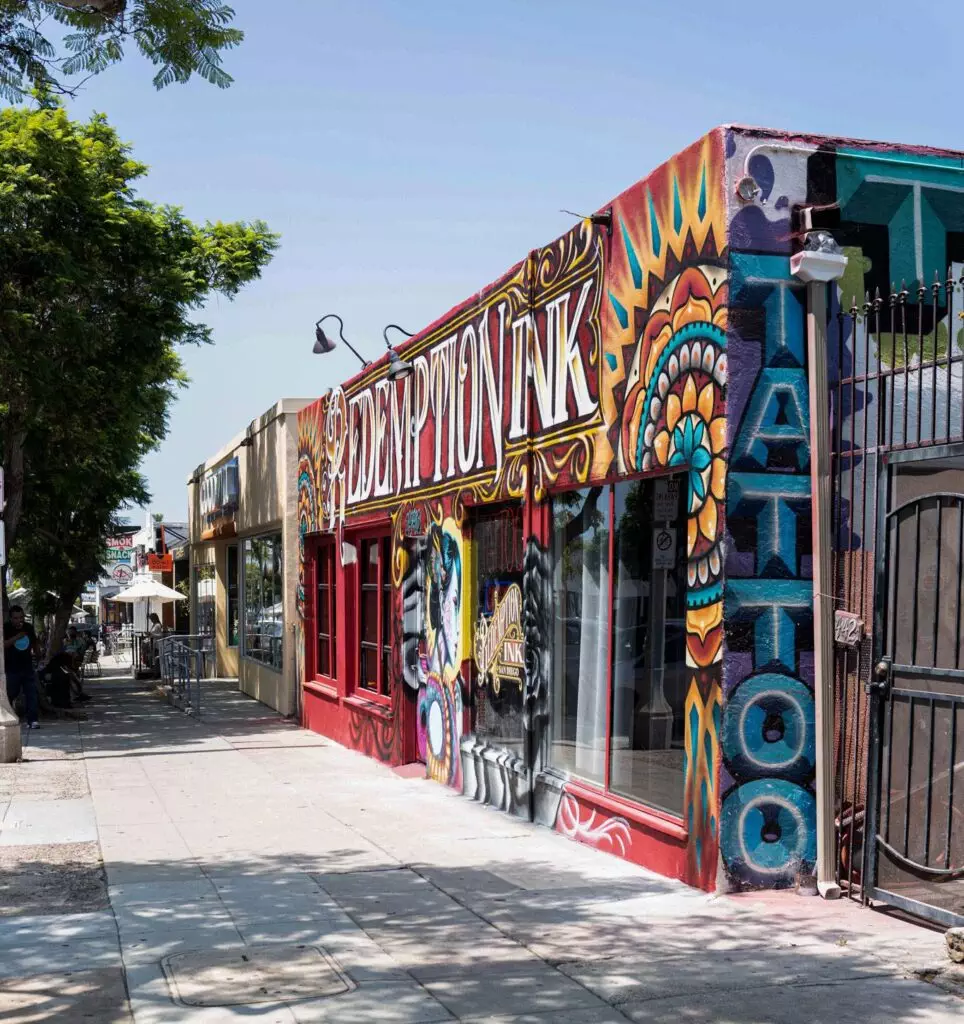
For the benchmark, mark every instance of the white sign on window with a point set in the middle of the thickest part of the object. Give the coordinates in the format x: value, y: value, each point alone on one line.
x: 666, y: 498
x: 664, y: 547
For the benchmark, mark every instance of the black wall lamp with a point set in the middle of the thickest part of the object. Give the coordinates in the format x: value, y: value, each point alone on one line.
x: 325, y: 344
x: 398, y: 368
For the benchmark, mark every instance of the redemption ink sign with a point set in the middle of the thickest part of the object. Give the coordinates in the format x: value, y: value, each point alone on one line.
x: 518, y: 368
x: 499, y: 645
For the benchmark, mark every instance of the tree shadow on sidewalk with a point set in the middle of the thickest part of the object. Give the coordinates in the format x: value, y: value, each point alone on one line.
x: 473, y: 937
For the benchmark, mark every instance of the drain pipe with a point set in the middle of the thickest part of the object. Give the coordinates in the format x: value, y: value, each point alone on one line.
x: 820, y: 262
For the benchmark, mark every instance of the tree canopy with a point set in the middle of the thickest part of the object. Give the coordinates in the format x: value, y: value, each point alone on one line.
x: 180, y: 37
x: 97, y: 290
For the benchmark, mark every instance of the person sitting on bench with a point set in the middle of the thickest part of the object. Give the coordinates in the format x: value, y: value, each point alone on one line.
x: 59, y: 679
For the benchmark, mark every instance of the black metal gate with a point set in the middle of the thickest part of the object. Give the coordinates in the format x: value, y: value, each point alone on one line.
x: 916, y: 858
x: 898, y: 447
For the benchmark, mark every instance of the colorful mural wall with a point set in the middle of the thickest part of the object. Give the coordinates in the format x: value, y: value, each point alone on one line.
x: 668, y: 358
x: 666, y: 334
x: 603, y: 353
x: 767, y: 816
x: 898, y: 214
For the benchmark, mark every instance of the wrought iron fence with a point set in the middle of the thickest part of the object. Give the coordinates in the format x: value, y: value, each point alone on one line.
x: 896, y: 384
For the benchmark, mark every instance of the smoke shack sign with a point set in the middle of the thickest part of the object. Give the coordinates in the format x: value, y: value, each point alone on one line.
x: 520, y: 365
x: 499, y: 646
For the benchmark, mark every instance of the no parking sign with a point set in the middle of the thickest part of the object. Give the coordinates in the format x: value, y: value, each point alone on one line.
x: 664, y: 547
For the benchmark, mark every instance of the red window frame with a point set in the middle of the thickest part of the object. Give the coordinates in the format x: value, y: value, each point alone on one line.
x: 324, y: 627
x: 378, y: 689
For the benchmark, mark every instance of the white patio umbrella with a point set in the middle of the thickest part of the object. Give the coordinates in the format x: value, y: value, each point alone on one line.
x: 147, y: 590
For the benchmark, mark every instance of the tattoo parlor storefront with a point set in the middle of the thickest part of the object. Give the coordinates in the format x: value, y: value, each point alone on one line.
x: 511, y: 568
x: 566, y: 562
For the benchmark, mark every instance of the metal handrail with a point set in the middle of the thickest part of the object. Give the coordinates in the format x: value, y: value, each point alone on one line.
x: 182, y: 668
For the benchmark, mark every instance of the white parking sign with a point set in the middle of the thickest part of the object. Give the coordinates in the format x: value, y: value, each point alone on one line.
x: 666, y: 498
x: 664, y: 547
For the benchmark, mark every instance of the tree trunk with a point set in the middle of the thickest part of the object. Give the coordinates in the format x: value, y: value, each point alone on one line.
x: 61, y: 621
x: 13, y: 482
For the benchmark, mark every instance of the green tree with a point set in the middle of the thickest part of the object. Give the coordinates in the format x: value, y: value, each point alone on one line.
x: 180, y: 37
x: 97, y: 290
x: 63, y: 532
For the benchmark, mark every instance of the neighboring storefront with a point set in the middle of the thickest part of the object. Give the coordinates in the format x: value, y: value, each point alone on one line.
x: 567, y: 562
x: 244, y: 557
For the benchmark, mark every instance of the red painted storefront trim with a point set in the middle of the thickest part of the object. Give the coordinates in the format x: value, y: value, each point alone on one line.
x: 635, y: 833
x: 321, y: 689
x: 336, y: 707
x: 650, y: 817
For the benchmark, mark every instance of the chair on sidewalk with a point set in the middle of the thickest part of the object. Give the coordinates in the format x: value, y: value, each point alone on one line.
x: 91, y: 660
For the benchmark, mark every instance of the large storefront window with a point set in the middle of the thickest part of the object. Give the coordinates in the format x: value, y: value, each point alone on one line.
x: 325, y: 608
x: 580, y: 548
x: 619, y: 642
x: 263, y: 600
x: 205, y: 599
x: 233, y: 602
x: 499, y: 556
x: 648, y: 649
x: 375, y: 611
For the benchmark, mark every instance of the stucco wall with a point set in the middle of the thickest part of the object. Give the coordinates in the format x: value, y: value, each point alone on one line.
x: 267, y: 503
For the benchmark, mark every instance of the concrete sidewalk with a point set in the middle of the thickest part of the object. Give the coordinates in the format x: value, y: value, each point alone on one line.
x: 255, y: 871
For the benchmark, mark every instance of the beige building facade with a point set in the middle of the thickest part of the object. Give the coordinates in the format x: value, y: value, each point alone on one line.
x: 243, y: 533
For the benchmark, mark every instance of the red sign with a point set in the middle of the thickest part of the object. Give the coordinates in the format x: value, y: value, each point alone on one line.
x: 160, y: 563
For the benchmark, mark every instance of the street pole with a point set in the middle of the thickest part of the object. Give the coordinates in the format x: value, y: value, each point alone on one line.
x: 819, y: 263
x: 11, y: 745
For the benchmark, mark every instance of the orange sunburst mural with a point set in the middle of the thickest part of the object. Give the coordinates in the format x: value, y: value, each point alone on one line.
x: 667, y: 364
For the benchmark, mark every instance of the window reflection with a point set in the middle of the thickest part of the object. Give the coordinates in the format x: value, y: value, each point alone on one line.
x: 580, y: 548
x: 648, y: 651
x: 232, y: 596
x: 376, y: 602
x: 263, y: 600
x: 205, y: 595
x: 499, y: 562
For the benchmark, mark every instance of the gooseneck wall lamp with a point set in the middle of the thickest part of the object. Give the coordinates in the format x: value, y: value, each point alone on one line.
x: 398, y: 368
x: 325, y: 344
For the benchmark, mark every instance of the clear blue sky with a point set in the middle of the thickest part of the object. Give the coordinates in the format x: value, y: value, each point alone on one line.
x: 408, y: 151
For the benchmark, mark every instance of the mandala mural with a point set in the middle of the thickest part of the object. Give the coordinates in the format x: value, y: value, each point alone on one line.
x: 669, y: 300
